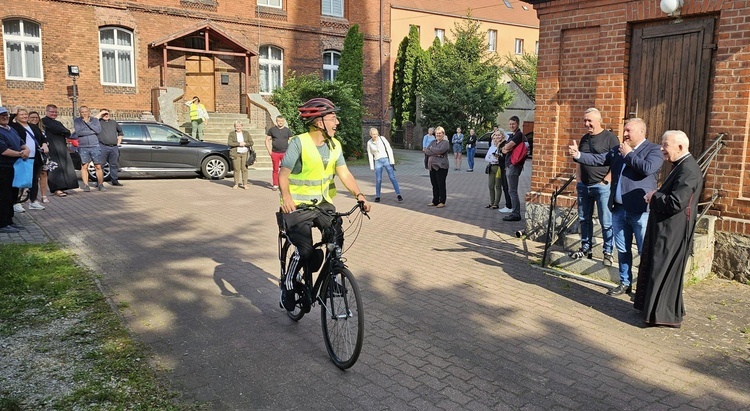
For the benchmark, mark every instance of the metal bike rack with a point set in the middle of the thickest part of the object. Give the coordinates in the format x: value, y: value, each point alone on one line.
x: 551, y: 221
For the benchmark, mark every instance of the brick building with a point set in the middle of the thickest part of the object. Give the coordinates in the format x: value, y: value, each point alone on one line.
x: 685, y: 70
x: 132, y: 54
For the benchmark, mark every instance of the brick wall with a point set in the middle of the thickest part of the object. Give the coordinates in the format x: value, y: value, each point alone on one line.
x: 583, y: 61
x: 70, y: 36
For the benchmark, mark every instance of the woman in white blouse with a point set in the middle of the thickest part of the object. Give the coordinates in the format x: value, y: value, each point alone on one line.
x: 494, y: 180
x: 381, y: 156
x: 241, y: 144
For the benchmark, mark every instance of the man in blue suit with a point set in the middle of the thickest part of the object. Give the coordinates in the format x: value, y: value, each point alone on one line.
x: 634, y: 166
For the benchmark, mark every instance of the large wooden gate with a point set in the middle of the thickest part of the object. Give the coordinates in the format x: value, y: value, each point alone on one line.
x: 668, y: 83
x: 199, y: 80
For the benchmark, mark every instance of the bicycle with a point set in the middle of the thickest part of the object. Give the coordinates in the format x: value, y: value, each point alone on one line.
x: 335, y: 289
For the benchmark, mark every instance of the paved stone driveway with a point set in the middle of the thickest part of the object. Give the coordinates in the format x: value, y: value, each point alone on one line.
x: 456, y: 316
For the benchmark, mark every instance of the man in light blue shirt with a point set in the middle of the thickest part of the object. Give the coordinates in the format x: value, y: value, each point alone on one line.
x: 87, y: 129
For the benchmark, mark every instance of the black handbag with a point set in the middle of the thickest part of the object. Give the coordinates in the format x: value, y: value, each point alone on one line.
x: 487, y: 169
x: 250, y: 158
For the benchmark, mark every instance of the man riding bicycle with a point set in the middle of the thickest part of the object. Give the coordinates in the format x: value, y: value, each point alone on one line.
x: 306, y: 176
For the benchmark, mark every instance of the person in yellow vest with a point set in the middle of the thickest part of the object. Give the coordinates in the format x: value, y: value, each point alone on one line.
x: 198, y: 117
x: 306, y: 175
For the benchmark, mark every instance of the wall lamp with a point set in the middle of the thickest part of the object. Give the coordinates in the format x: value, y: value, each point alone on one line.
x: 73, y: 71
x: 671, y: 7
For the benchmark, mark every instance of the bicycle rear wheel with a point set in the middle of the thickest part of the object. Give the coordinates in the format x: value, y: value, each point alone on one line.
x: 342, y: 317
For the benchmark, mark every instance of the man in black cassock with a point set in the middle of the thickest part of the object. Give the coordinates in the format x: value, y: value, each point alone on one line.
x: 672, y: 216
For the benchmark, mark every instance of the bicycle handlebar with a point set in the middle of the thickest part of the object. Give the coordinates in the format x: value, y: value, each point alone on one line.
x: 360, y: 205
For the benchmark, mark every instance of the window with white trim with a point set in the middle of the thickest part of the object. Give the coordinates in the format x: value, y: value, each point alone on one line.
x: 330, y: 64
x: 333, y: 8
x: 519, y: 46
x: 492, y: 40
x: 270, y: 3
x: 271, y: 61
x: 22, y: 42
x: 117, y: 56
x: 440, y: 33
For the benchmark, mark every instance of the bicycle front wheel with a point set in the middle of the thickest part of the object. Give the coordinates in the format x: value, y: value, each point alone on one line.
x: 342, y: 317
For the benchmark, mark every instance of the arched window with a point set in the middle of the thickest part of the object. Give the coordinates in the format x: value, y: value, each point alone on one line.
x: 330, y: 64
x: 22, y: 42
x: 271, y: 61
x: 117, y: 57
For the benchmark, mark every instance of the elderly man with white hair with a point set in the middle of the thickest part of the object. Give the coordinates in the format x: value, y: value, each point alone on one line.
x: 672, y: 215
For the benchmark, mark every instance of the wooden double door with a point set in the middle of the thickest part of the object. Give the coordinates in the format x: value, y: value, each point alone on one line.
x: 200, y: 80
x: 669, y: 78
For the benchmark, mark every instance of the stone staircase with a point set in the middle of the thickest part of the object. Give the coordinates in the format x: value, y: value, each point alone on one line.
x: 698, y: 267
x: 219, y: 126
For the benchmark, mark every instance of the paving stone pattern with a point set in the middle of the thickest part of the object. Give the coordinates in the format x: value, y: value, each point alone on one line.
x: 457, y: 317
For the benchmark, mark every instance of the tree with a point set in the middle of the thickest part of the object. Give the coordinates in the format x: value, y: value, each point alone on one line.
x: 298, y: 89
x: 397, y: 93
x: 352, y: 61
x: 463, y: 86
x: 523, y: 71
x: 409, y: 60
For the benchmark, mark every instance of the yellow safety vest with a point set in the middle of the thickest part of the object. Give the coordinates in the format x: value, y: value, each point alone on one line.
x: 314, y: 181
x: 194, y: 112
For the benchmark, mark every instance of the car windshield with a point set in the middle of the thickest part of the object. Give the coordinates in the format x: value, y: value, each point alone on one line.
x: 163, y: 134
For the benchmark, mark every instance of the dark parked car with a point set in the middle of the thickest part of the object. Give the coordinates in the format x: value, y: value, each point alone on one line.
x: 151, y: 148
x: 483, y: 143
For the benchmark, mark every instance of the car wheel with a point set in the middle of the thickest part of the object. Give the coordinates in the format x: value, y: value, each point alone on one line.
x: 92, y: 171
x: 214, y: 167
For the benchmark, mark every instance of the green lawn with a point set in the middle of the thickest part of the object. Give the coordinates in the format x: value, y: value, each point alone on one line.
x: 61, y: 345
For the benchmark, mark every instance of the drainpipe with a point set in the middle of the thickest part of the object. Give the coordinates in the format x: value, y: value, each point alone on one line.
x: 382, y: 71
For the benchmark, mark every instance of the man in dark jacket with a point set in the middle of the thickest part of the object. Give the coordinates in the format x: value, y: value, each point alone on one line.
x: 110, y: 139
x: 11, y: 149
x: 634, y: 165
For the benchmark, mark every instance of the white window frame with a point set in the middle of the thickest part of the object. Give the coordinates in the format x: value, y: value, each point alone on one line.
x: 333, y: 8
x: 270, y: 3
x: 519, y: 46
x: 332, y: 68
x: 117, y: 49
x: 440, y: 33
x: 24, y: 40
x: 492, y: 40
x: 268, y: 61
x: 536, y: 48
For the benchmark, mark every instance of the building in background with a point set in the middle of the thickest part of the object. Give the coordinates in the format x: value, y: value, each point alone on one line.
x: 148, y: 57
x: 512, y: 29
x: 685, y: 70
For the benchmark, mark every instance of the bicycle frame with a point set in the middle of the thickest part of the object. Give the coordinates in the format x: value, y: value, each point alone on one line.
x: 332, y: 253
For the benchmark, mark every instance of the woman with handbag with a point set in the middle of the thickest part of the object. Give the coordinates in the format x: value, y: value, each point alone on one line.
x: 494, y: 158
x: 380, y: 154
x: 37, y: 144
x: 241, y: 144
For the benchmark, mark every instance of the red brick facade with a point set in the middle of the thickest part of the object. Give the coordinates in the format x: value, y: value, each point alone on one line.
x: 69, y: 32
x: 583, y: 62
